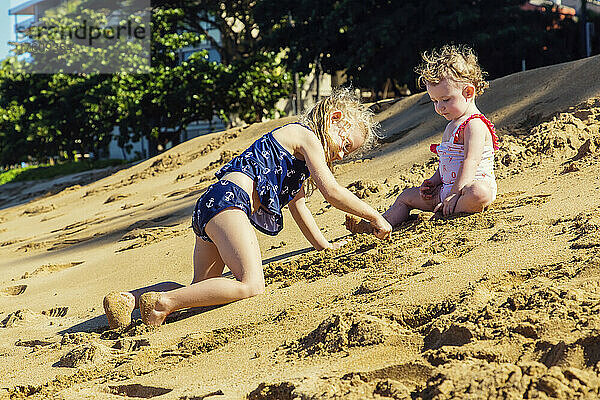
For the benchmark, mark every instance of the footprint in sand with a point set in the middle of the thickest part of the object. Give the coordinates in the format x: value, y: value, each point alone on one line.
x: 86, y: 354
x: 35, y: 343
x: 17, y: 318
x: 14, y: 290
x: 50, y: 268
x: 56, y: 312
x: 38, y: 210
x: 79, y: 225
x: 149, y: 223
x: 26, y: 316
x: 128, y: 206
x: 34, y: 246
x: 146, y: 236
x: 61, y: 244
x: 9, y: 242
x: 137, y: 390
x: 116, y: 197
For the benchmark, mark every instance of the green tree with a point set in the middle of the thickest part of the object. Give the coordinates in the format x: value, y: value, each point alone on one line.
x: 373, y: 40
x: 228, y: 26
x: 48, y: 114
x: 161, y: 104
x: 257, y: 84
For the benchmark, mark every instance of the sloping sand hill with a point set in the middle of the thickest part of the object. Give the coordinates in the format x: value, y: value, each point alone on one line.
x: 502, y: 304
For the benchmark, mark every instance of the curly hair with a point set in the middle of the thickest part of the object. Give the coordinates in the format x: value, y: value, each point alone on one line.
x: 317, y: 118
x: 458, y: 63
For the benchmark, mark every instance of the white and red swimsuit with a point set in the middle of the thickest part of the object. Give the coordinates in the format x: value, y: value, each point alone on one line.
x: 452, y: 156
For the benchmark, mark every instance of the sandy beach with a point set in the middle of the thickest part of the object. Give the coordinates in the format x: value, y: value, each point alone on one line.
x: 501, y: 304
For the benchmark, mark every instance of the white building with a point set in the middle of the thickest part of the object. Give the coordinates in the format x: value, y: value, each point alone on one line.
x: 26, y: 14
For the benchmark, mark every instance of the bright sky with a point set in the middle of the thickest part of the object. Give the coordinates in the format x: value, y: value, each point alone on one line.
x: 7, y: 30
x: 6, y: 24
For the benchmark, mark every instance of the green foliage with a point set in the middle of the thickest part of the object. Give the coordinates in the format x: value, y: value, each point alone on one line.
x: 229, y: 26
x: 53, y: 45
x: 47, y: 171
x: 373, y: 40
x: 258, y: 83
x: 44, y: 115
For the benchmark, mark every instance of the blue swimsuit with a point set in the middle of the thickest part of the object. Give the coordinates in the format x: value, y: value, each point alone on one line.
x: 278, y: 176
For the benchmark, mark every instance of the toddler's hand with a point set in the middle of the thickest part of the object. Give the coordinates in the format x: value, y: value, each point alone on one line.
x: 449, y: 204
x: 426, y: 189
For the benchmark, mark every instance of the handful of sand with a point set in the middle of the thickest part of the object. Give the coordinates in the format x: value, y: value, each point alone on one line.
x: 356, y: 225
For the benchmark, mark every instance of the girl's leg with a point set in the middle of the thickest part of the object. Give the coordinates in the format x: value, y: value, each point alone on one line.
x: 238, y: 247
x: 474, y: 198
x: 118, y: 306
x: 407, y: 200
x: 207, y: 261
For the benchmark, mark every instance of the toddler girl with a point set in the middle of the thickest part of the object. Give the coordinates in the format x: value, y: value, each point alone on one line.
x: 464, y: 180
x: 277, y: 169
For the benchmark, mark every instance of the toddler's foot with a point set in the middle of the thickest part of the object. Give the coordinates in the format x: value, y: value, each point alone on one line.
x: 152, y: 311
x: 355, y: 225
x: 118, y: 307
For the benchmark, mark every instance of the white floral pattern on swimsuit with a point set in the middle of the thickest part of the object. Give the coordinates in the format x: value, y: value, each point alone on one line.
x: 278, y: 176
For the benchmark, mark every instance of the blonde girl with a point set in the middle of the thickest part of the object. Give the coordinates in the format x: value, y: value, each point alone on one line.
x: 251, y: 191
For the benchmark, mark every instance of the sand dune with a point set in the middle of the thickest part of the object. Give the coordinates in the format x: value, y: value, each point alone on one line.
x: 502, y: 304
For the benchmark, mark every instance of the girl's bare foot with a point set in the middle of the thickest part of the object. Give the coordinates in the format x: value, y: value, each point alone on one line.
x: 356, y: 225
x: 118, y: 307
x: 153, y: 313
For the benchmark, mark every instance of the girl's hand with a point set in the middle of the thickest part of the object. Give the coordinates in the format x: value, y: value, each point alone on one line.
x: 426, y: 189
x: 449, y: 204
x: 339, y: 244
x: 381, y: 228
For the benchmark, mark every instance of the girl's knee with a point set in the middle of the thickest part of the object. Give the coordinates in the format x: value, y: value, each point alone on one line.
x: 258, y: 289
x: 408, y: 197
x: 252, y: 289
x: 478, y: 194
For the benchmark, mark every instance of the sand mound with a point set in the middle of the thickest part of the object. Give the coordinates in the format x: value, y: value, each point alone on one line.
x: 340, y: 332
x: 482, y: 380
x: 565, y: 136
x: 351, y: 387
x: 504, y: 303
x: 393, y: 382
x: 90, y: 353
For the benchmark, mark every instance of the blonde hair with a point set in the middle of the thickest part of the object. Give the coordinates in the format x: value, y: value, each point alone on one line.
x: 317, y: 118
x: 457, y: 63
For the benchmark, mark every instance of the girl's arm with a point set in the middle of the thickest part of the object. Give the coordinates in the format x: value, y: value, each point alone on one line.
x: 306, y: 222
x: 337, y: 195
x: 428, y: 186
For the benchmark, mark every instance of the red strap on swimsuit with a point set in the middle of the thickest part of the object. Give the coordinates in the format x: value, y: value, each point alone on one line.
x: 487, y: 123
x: 461, y: 129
